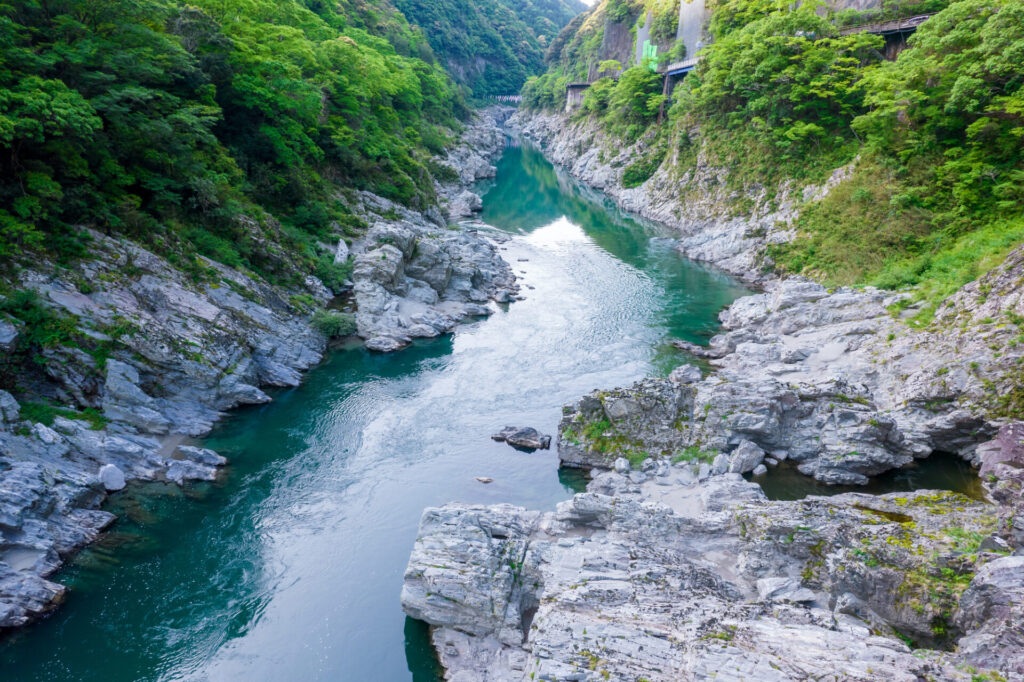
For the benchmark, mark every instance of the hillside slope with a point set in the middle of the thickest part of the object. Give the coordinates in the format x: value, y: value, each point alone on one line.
x: 783, y: 98
x: 491, y: 45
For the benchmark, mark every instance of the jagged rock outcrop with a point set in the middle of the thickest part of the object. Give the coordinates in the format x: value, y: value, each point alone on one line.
x: 832, y: 380
x: 706, y: 580
x: 155, y: 357
x: 415, y: 280
x: 470, y: 160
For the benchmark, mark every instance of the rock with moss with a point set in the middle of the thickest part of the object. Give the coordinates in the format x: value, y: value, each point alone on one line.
x: 645, y: 581
x: 647, y: 418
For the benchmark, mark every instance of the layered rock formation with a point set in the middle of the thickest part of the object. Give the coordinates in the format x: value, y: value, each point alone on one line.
x: 711, y: 580
x: 414, y: 279
x: 830, y: 380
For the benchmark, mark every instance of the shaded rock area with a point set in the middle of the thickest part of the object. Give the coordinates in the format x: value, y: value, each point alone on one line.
x: 523, y: 438
x: 831, y: 381
x: 150, y: 356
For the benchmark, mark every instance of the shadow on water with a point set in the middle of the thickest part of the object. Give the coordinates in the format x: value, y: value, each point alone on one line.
x: 939, y: 471
x: 420, y: 654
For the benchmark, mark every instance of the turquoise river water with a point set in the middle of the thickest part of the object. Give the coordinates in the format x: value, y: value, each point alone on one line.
x: 289, y: 567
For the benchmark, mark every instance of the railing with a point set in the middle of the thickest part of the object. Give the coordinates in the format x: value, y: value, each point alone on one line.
x: 685, y: 65
x: 885, y: 27
x: 507, y: 99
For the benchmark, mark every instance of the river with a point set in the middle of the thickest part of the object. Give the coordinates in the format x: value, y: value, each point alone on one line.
x: 290, y: 566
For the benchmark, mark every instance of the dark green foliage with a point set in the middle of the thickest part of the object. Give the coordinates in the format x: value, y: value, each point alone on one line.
x: 781, y: 77
x: 165, y: 121
x: 332, y: 274
x: 443, y: 172
x: 941, y: 192
x: 333, y: 324
x: 491, y: 45
x: 640, y: 171
x: 665, y: 21
x: 41, y: 327
x: 634, y: 103
x: 888, y: 10
x: 46, y: 413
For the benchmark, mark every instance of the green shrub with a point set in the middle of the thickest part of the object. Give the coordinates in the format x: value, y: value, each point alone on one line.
x: 333, y: 324
x: 442, y: 172
x: 46, y: 413
x: 332, y: 274
x: 638, y: 172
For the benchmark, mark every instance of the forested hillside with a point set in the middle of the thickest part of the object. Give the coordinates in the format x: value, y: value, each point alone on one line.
x: 166, y: 121
x: 169, y: 121
x: 937, y: 136
x: 491, y: 45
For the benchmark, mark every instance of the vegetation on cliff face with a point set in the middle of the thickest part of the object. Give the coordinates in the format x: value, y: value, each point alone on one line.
x: 936, y: 137
x: 168, y: 122
x: 491, y: 45
x: 941, y: 178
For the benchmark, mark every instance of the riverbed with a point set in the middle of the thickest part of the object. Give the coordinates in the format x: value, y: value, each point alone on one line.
x: 290, y: 565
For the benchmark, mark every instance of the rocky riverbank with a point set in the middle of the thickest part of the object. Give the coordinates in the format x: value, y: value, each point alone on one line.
x: 672, y: 566
x: 140, y: 355
x: 710, y: 228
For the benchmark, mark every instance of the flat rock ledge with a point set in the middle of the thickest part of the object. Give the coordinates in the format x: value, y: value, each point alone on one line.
x: 709, y: 580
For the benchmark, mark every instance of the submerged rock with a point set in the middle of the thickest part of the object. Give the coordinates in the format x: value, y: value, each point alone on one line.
x: 526, y: 438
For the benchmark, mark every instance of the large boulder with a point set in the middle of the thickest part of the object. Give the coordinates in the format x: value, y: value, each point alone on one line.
x: 111, y: 477
x: 1006, y: 449
x: 745, y: 458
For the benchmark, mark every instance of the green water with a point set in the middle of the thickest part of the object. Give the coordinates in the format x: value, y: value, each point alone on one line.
x: 290, y: 566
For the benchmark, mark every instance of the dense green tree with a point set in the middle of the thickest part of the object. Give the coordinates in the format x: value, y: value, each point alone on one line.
x: 491, y: 45
x: 166, y: 121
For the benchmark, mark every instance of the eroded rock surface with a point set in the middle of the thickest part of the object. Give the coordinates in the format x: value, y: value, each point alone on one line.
x: 830, y: 380
x: 709, y: 580
x: 414, y: 279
